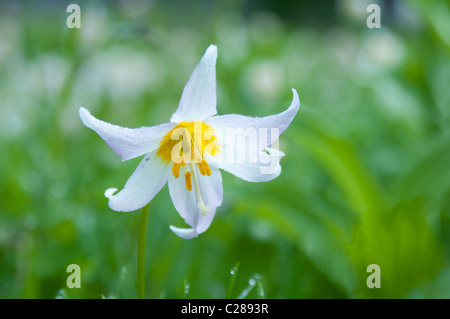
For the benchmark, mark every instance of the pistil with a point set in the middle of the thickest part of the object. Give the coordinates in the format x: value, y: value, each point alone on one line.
x: 205, y: 209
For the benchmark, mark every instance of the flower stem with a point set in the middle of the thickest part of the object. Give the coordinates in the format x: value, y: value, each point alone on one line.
x: 141, y: 253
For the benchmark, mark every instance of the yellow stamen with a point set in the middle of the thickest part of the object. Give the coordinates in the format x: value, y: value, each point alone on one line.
x: 201, y: 204
x: 187, y: 180
x: 204, y: 169
x: 187, y: 143
x: 176, y: 169
x: 201, y: 168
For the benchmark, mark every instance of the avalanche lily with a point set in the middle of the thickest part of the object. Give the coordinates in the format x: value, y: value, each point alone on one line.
x: 189, y: 151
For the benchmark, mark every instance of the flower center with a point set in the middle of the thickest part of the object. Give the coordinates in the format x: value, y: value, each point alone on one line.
x: 185, y: 145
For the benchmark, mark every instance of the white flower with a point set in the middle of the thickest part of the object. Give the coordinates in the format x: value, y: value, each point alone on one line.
x: 189, y: 151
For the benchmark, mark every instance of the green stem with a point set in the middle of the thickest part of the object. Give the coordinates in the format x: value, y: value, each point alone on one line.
x: 141, y: 253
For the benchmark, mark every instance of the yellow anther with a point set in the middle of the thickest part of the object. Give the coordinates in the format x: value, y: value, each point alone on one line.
x: 189, y: 140
x: 201, y: 168
x: 204, y: 168
x: 187, y: 179
x: 176, y: 169
x: 207, y: 168
x: 186, y: 144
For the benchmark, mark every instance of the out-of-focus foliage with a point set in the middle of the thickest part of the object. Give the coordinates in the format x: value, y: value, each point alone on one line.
x: 365, y: 179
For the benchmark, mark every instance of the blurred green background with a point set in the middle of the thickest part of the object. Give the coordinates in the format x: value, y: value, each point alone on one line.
x: 365, y: 179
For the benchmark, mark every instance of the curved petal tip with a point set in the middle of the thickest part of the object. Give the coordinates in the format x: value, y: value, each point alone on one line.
x: 110, y: 192
x: 185, y: 233
x: 295, y: 99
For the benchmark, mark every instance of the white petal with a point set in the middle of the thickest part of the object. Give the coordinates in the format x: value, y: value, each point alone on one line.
x: 253, y: 167
x: 251, y: 134
x: 185, y: 233
x: 211, y: 189
x: 187, y: 203
x: 110, y: 192
x: 146, y: 181
x: 198, y: 101
x: 127, y: 142
x: 274, y: 152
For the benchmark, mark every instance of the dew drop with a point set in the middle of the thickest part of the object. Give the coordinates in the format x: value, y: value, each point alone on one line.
x: 187, y: 287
